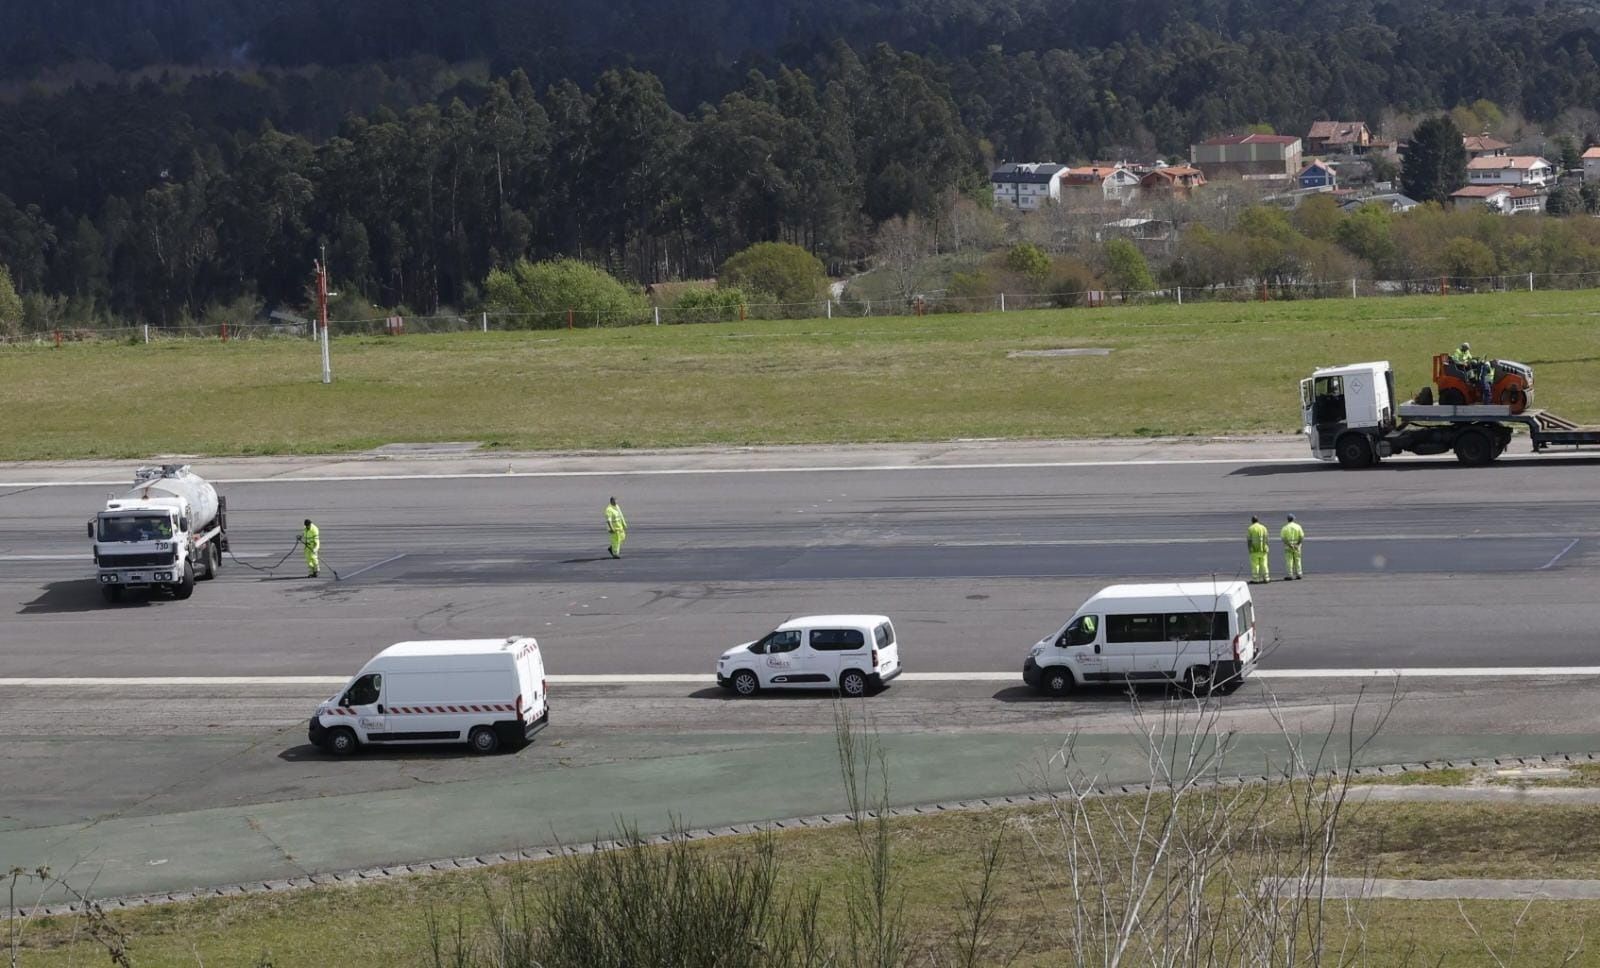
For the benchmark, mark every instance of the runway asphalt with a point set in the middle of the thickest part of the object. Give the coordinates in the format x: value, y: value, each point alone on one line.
x: 1415, y: 563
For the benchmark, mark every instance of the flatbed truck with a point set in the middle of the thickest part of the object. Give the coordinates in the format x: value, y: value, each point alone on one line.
x: 1350, y: 416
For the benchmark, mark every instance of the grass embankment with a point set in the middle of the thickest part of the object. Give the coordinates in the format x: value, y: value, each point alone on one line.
x: 1196, y: 369
x: 936, y: 858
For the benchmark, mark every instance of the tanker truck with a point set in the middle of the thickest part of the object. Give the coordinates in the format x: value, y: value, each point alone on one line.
x: 164, y: 534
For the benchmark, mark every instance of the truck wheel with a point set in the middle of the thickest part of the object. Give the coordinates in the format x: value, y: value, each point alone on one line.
x: 1055, y: 681
x: 1474, y: 448
x: 1452, y: 397
x: 483, y: 740
x: 184, y: 588
x: 342, y: 741
x: 111, y: 593
x: 1354, y: 451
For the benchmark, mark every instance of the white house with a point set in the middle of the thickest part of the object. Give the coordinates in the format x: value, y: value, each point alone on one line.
x: 1115, y: 182
x: 1026, y: 186
x: 1505, y: 199
x: 1529, y: 171
x: 1591, y: 164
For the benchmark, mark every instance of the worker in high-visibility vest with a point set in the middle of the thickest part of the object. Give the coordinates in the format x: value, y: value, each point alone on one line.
x: 1256, y: 541
x: 618, y: 526
x: 311, y: 540
x: 1293, y: 536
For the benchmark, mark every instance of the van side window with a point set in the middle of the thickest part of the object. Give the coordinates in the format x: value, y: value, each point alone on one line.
x: 364, y: 691
x: 783, y: 641
x: 837, y: 640
x: 1081, y: 631
x: 1135, y: 628
x: 1197, y: 626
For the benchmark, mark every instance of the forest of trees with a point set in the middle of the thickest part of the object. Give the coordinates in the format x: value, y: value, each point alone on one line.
x: 157, y: 160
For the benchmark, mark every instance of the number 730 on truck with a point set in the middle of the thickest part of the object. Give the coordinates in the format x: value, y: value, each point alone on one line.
x: 1350, y: 415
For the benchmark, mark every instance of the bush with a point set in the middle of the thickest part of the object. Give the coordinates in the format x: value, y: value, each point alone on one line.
x: 1126, y: 266
x: 1070, y: 281
x: 708, y: 306
x: 1030, y: 262
x: 542, y: 292
x: 787, y: 272
x: 10, y: 305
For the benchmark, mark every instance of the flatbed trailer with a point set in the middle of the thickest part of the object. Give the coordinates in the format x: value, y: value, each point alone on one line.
x: 1477, y: 433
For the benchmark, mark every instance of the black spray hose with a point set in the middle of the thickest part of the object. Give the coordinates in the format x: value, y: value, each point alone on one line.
x: 279, y: 563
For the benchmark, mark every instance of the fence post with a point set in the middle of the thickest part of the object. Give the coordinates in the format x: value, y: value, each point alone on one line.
x: 658, y: 315
x: 1002, y: 302
x: 1444, y: 286
x: 1180, y: 295
x: 58, y: 339
x: 147, y: 332
x: 741, y: 312
x: 827, y: 307
x: 486, y: 322
x: 1530, y: 282
x: 569, y: 319
x: 868, y: 304
x: 224, y: 332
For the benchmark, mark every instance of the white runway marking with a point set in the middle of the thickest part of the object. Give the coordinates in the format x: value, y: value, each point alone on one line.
x: 688, y: 471
x: 378, y: 564
x: 1559, y: 555
x: 87, y: 556
x: 1511, y: 672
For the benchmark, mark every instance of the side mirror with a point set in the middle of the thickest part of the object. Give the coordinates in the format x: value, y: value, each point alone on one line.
x: 1062, y: 640
x: 344, y: 700
x: 90, y: 529
x: 183, y: 524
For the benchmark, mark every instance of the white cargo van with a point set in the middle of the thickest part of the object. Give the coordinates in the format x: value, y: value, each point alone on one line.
x: 487, y: 693
x: 854, y: 654
x: 1200, y: 634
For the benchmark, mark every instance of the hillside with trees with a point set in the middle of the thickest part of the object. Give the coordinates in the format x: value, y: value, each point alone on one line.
x: 159, y: 163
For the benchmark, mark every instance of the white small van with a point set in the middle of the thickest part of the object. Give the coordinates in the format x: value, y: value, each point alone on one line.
x: 1200, y: 634
x: 854, y: 654
x: 487, y: 693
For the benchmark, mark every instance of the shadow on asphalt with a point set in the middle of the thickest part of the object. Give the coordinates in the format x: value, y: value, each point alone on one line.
x: 778, y: 695
x: 1099, y: 695
x: 584, y: 561
x: 1562, y: 458
x: 79, y: 595
x: 306, y: 753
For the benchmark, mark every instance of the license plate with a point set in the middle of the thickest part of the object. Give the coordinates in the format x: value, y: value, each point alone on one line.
x: 136, y: 577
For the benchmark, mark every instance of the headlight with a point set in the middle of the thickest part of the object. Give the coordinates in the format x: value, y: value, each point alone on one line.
x: 1036, y: 651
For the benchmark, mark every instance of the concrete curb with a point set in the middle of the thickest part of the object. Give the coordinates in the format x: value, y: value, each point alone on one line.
x: 813, y: 822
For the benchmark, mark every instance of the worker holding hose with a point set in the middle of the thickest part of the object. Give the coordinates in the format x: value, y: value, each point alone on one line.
x: 311, y: 540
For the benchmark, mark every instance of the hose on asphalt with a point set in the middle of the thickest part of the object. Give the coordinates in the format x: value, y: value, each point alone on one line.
x: 269, y: 569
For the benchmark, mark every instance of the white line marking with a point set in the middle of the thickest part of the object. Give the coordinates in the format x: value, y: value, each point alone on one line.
x: 1510, y: 672
x: 1560, y: 555
x: 685, y: 471
x: 89, y: 557
x: 379, y: 564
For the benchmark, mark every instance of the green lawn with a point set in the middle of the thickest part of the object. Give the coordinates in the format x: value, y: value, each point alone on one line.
x: 936, y: 857
x: 1196, y: 369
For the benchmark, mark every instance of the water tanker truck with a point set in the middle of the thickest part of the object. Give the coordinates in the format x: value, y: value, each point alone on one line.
x: 165, y: 533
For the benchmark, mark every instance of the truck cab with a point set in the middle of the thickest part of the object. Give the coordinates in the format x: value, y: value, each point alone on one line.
x: 1345, y: 408
x: 139, y: 545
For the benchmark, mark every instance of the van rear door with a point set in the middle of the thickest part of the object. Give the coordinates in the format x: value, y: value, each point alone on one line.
x: 888, y: 648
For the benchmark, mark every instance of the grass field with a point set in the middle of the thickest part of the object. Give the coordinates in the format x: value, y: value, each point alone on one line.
x: 387, y: 923
x: 1173, y: 370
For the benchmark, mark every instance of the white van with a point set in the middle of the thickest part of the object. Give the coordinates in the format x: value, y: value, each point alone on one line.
x: 854, y: 654
x: 1200, y: 634
x: 487, y: 693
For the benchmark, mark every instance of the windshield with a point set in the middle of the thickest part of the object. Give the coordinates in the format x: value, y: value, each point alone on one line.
x: 135, y: 527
